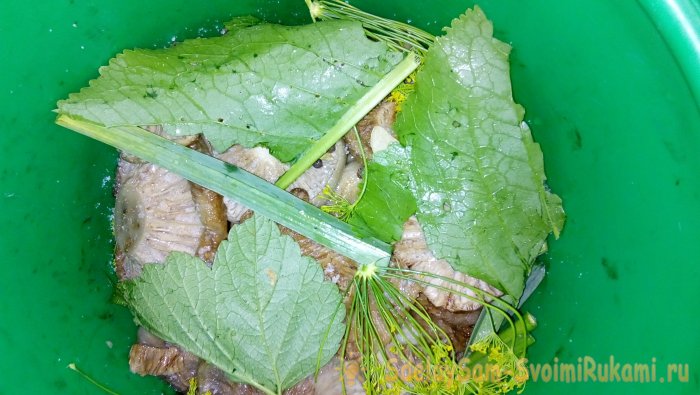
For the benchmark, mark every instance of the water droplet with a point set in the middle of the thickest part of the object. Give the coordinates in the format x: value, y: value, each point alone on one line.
x: 106, y: 180
x: 75, y: 24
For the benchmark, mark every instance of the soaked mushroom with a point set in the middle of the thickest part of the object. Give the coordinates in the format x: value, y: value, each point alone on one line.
x: 325, y: 172
x: 212, y: 212
x: 349, y: 184
x: 154, y: 214
x: 178, y: 367
x: 383, y: 116
x: 380, y: 139
x: 258, y: 161
x: 157, y: 212
x: 213, y: 380
x: 180, y: 380
x: 182, y: 140
x: 412, y: 251
x: 155, y: 361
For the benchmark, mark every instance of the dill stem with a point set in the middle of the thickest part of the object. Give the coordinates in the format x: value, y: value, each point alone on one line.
x: 398, y: 35
x: 498, y: 305
x: 354, y: 114
x: 92, y: 381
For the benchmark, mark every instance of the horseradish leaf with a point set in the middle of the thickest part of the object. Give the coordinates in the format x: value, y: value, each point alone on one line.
x: 259, y: 84
x: 479, y: 177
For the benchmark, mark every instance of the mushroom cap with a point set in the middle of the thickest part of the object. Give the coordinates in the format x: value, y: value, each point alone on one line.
x: 154, y: 214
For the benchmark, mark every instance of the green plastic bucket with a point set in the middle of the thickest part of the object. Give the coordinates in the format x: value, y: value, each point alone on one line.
x: 609, y: 88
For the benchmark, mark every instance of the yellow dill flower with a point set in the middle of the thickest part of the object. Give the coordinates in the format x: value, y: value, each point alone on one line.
x: 479, y: 346
x: 398, y: 98
x: 401, y: 92
x: 496, y: 354
x: 338, y: 205
x: 504, y: 371
x: 193, y: 388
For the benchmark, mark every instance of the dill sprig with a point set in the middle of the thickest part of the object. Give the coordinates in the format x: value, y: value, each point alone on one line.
x: 398, y: 35
x: 337, y: 205
x: 395, y: 335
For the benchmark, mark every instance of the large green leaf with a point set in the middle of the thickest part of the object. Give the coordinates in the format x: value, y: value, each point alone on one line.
x: 279, y: 86
x: 388, y: 199
x: 479, y: 177
x: 263, y: 313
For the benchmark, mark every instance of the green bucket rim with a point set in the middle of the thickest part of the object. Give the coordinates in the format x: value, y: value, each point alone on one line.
x: 678, y: 22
